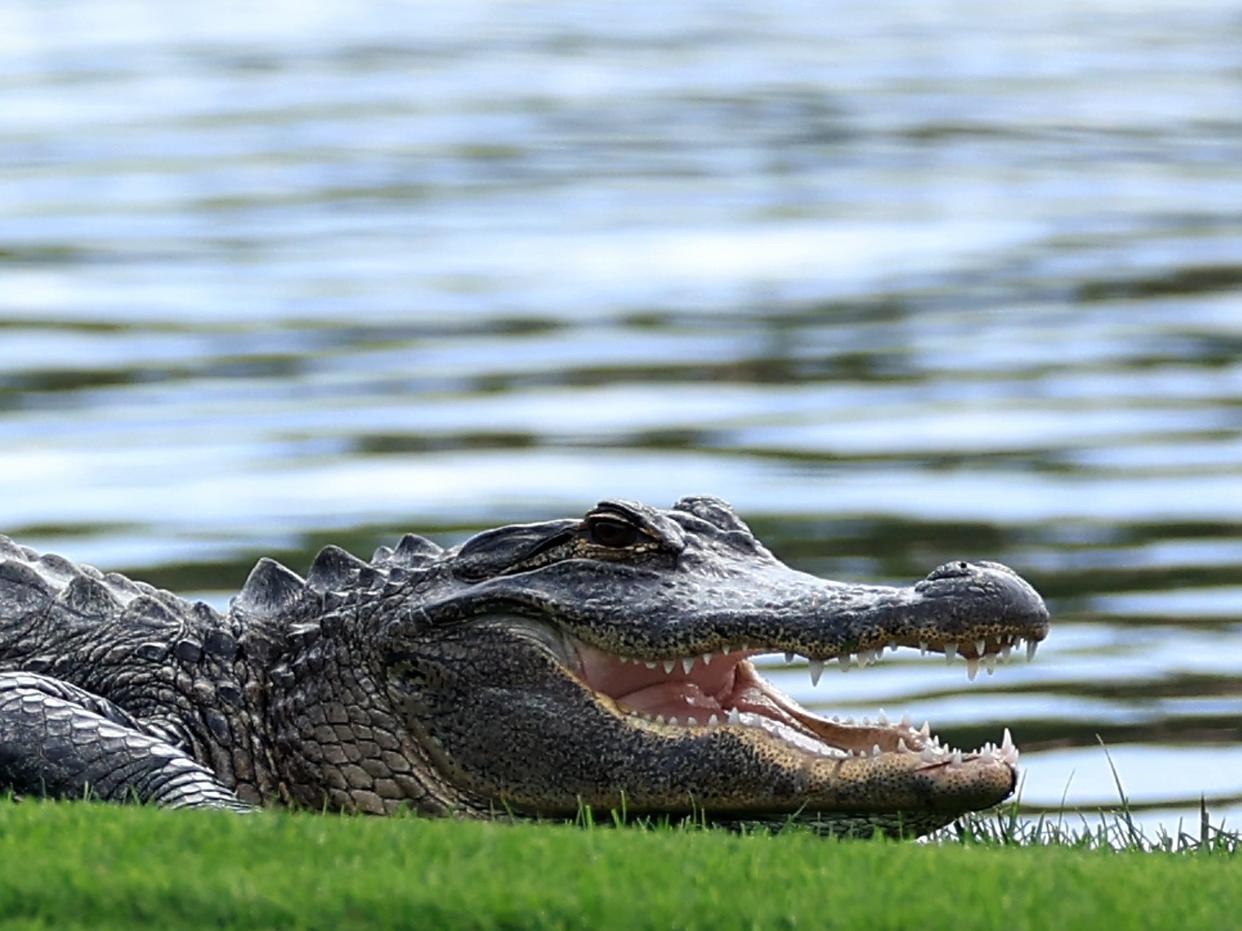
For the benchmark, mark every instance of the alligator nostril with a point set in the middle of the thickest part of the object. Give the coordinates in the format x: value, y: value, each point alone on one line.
x: 950, y: 570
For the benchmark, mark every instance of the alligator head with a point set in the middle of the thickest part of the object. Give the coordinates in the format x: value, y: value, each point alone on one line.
x: 605, y: 661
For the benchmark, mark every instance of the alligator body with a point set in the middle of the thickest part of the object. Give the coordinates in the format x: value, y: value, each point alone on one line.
x: 536, y: 668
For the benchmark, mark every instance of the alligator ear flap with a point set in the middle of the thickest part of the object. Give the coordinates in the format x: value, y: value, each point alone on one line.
x: 334, y: 568
x: 414, y: 551
x: 270, y: 590
x: 492, y: 552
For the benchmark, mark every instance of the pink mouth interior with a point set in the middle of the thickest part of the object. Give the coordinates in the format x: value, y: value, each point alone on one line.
x: 715, y: 687
x: 726, y: 691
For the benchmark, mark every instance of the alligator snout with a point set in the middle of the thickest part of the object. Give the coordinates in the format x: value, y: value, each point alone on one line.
x: 989, y: 591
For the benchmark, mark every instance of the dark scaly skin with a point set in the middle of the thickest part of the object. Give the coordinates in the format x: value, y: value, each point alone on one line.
x: 454, y: 681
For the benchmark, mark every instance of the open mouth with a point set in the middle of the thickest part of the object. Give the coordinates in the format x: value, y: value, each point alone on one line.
x: 723, y: 689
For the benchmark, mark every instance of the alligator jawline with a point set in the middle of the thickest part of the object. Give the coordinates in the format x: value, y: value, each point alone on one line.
x: 725, y: 690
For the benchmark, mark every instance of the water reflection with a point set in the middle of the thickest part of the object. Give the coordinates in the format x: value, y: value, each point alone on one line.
x: 903, y: 284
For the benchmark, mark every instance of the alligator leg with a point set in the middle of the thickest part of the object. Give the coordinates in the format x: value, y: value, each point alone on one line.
x: 61, y: 741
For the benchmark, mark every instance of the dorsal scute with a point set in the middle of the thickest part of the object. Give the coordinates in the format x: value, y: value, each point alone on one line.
x: 10, y: 549
x: 413, y: 551
x: 57, y: 569
x: 150, y: 610
x: 271, y: 590
x: 334, y: 569
x: 88, y: 597
x: 23, y: 586
x: 124, y: 587
x: 73, y: 593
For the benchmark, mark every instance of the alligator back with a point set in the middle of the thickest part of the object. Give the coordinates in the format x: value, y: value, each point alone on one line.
x: 170, y: 664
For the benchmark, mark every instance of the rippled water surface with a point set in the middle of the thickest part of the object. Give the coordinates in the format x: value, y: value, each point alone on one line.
x: 903, y: 283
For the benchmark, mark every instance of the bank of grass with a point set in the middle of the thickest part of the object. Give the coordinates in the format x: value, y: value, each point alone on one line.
x: 99, y: 866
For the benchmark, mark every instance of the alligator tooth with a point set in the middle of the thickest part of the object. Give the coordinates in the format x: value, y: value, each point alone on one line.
x: 687, y: 663
x: 734, y: 716
x: 989, y: 663
x: 928, y: 755
x: 707, y: 658
x: 892, y: 646
x: 925, y: 730
x: 1030, y: 649
x: 950, y: 651
x: 789, y: 657
x: 1007, y: 741
x: 724, y: 651
x: 650, y: 663
x: 816, y: 667
x: 882, y: 720
x: 845, y: 659
x: 981, y: 647
x: 956, y: 759
x: 875, y: 751
x: 712, y: 719
x: 922, y: 648
x: 901, y: 745
x: 659, y: 719
x: 1006, y: 649
x: 668, y: 666
x: 672, y: 719
x: 849, y: 721
x: 972, y: 667
x: 692, y: 721
x: 866, y: 721
x: 905, y: 721
x: 743, y: 648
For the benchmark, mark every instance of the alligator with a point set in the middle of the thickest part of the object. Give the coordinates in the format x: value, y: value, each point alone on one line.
x: 537, y: 670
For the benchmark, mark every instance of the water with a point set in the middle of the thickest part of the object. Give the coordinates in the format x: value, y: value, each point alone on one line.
x: 903, y: 283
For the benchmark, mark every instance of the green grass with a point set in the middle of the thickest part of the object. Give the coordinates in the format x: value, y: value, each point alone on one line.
x: 98, y: 866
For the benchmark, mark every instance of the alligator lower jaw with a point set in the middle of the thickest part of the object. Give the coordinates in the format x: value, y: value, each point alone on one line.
x: 725, y: 691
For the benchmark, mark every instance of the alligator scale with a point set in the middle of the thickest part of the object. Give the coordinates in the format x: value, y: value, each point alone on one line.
x: 602, y: 660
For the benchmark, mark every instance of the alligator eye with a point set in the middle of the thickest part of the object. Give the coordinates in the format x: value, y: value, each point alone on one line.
x: 614, y: 534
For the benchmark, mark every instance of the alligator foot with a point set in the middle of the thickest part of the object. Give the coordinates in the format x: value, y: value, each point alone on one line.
x: 61, y: 741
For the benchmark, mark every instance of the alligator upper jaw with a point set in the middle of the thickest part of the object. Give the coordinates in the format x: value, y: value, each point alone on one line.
x: 725, y: 690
